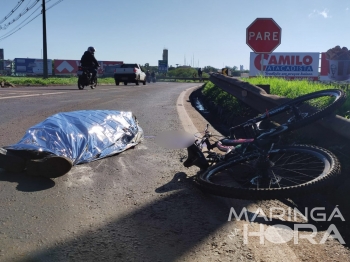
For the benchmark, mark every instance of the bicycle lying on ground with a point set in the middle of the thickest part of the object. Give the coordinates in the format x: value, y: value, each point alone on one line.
x: 255, y: 166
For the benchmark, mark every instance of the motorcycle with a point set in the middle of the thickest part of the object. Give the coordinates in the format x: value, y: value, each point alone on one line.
x: 84, y: 78
x: 148, y: 78
x: 153, y: 79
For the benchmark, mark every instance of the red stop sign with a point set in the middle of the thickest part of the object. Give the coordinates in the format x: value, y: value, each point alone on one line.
x: 263, y: 35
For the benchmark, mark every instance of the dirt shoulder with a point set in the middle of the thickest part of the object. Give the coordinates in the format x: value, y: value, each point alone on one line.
x: 299, y: 247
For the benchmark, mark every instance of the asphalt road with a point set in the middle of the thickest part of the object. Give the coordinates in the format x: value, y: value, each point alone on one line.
x: 140, y: 205
x: 136, y: 206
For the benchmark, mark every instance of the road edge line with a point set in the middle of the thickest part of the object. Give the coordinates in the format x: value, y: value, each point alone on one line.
x: 185, y: 119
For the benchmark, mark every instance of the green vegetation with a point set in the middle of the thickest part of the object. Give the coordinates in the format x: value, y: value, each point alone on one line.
x: 225, y: 100
x: 5, y: 82
x: 185, y: 72
x: 288, y: 88
x: 25, y: 81
x: 295, y: 88
x: 278, y: 86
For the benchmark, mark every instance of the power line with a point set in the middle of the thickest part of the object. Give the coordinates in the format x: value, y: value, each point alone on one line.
x: 12, y: 11
x: 28, y: 3
x: 12, y: 30
x: 52, y: 4
x: 8, y: 35
x: 20, y: 15
x: 19, y: 28
x: 26, y: 18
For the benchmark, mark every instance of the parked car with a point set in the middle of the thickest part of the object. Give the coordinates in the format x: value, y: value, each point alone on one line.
x: 129, y: 73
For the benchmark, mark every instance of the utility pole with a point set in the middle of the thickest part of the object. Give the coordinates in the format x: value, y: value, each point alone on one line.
x: 44, y: 40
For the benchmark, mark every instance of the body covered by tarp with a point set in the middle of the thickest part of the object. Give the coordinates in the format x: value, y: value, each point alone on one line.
x: 83, y: 136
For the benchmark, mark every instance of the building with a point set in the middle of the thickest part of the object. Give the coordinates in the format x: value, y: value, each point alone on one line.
x: 165, y: 54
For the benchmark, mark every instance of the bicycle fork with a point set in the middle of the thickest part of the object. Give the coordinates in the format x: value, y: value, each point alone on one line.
x: 265, y: 175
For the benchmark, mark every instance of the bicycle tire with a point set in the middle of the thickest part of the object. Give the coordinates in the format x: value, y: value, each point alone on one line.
x: 232, y: 186
x: 311, y: 114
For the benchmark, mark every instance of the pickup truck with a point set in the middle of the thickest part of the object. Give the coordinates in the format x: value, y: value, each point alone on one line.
x: 129, y: 73
x: 108, y: 71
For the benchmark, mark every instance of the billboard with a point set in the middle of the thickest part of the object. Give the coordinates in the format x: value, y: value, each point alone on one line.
x: 103, y: 64
x: 162, y: 66
x: 2, y: 59
x: 32, y: 66
x: 335, y: 65
x: 286, y: 65
x: 70, y: 67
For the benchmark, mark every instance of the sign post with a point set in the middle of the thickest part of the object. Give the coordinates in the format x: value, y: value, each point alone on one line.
x: 2, y: 62
x: 263, y: 36
x: 162, y: 66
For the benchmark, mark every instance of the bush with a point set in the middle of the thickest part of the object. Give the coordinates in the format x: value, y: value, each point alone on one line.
x: 226, y: 101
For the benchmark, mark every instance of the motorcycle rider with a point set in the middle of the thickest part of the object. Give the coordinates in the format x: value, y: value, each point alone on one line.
x: 153, y: 75
x: 200, y: 73
x: 148, y: 76
x: 89, y: 61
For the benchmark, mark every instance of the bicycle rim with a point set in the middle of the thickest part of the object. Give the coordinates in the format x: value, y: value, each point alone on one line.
x: 305, y: 109
x: 294, y: 170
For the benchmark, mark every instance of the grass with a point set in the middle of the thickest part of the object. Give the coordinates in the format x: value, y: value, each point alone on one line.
x: 289, y: 88
x: 295, y: 88
x: 25, y: 81
x: 224, y: 99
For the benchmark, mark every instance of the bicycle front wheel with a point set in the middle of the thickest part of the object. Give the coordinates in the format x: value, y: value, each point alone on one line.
x: 293, y: 170
x: 305, y: 109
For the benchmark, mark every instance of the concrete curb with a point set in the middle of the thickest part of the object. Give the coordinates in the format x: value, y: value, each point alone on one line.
x: 184, y: 117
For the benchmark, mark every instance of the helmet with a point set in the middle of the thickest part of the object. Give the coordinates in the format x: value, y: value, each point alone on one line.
x: 91, y: 49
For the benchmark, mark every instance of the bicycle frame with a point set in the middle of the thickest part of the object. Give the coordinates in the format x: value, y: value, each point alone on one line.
x: 262, y: 142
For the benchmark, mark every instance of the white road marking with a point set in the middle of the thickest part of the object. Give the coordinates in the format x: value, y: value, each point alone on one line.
x: 16, y: 93
x: 56, y: 93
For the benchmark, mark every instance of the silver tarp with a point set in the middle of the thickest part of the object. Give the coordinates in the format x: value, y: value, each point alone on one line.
x: 83, y: 136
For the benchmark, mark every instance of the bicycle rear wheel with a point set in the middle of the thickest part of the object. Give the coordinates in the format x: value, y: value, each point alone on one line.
x: 294, y: 170
x: 303, y: 110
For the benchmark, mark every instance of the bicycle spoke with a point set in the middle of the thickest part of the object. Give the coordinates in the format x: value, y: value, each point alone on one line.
x: 293, y: 171
x: 279, y: 158
x: 297, y: 161
x: 300, y: 169
x: 275, y: 178
x: 297, y: 183
x: 302, y: 159
x: 294, y: 178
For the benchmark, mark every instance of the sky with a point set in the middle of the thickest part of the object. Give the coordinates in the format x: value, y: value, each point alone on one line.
x: 196, y: 32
